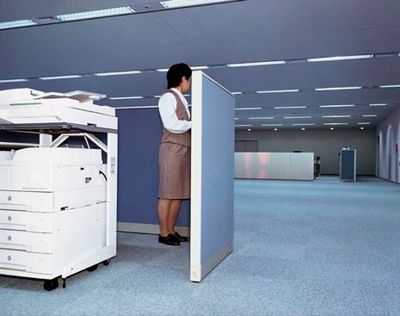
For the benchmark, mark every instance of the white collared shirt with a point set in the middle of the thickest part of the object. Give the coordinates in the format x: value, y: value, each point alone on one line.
x: 167, y: 108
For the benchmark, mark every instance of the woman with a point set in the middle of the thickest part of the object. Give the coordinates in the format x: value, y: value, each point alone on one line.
x: 174, y: 154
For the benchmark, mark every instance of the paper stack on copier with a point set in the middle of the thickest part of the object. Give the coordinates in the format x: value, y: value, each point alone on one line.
x: 57, y: 204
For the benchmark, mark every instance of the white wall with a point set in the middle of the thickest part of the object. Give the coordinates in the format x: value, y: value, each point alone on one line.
x: 388, y: 134
x: 323, y: 143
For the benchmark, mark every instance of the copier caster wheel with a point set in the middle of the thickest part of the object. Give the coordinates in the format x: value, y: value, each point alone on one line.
x: 106, y: 262
x: 92, y: 268
x: 50, y: 285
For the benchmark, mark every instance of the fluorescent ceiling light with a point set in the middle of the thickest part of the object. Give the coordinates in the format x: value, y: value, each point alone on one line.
x: 335, y: 116
x: 61, y: 77
x: 237, y: 93
x: 278, y: 91
x: 337, y: 88
x: 126, y: 98
x: 261, y: 63
x: 199, y: 67
x: 187, y: 3
x: 303, y: 124
x: 390, y: 86
x: 369, y: 115
x: 16, y: 23
x: 338, y: 106
x: 117, y: 73
x: 243, y: 125
x: 289, y: 107
x: 363, y: 123
x: 297, y: 117
x: 157, y: 96
x: 13, y: 80
x: 236, y: 118
x: 162, y: 69
x: 339, y: 58
x: 247, y: 109
x: 271, y: 124
x: 95, y: 14
x: 378, y: 104
x: 336, y: 123
x: 261, y: 118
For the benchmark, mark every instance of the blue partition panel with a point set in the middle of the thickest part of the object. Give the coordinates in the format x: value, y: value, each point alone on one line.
x: 212, y: 175
x: 139, y: 139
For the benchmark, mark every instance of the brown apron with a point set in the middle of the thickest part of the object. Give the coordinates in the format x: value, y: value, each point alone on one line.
x: 174, y: 160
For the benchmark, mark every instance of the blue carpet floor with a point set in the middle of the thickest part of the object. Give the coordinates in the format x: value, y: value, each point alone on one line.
x: 301, y: 248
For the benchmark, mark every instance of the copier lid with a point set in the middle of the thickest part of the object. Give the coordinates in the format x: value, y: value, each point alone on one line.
x: 59, y: 156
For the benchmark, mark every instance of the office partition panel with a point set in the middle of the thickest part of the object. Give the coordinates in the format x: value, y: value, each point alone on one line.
x: 212, y: 175
x: 139, y: 140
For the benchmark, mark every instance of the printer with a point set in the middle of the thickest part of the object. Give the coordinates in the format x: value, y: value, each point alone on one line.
x: 57, y: 204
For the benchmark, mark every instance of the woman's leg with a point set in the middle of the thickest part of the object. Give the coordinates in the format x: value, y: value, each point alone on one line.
x: 163, y: 211
x: 174, y: 208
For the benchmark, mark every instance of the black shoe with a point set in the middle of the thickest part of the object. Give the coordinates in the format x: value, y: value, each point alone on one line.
x: 170, y: 240
x: 181, y: 238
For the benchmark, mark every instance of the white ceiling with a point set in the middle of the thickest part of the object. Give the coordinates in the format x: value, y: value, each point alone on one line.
x: 246, y: 31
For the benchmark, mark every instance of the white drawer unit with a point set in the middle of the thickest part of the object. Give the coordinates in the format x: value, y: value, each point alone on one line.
x: 25, y: 261
x: 27, y: 201
x: 26, y: 221
x: 26, y: 241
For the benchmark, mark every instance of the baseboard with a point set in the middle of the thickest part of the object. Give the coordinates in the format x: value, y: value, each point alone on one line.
x: 140, y: 228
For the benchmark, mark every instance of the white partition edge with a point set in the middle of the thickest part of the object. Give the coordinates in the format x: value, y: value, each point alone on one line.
x: 195, y: 209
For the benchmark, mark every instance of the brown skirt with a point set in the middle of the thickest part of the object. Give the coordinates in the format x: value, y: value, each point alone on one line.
x: 174, y: 170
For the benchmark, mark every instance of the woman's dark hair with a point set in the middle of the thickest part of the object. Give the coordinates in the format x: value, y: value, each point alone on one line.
x: 175, y: 74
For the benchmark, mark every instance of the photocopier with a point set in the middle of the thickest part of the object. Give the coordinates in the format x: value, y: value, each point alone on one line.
x: 57, y: 202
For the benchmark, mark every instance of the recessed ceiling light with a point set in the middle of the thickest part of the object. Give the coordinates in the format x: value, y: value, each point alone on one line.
x: 336, y: 123
x: 340, y: 58
x: 303, y: 129
x: 16, y: 23
x: 275, y: 129
x: 297, y: 117
x: 95, y: 14
x: 13, y: 80
x: 118, y: 73
x: 61, y: 77
x: 337, y: 88
x: 303, y: 124
x: 248, y: 109
x: 378, y: 104
x: 187, y: 3
x: 362, y: 127
x: 277, y: 91
x: 236, y: 118
x: 261, y: 118
x: 369, y: 115
x: 126, y: 98
x: 289, y: 107
x: 335, y: 116
x: 331, y: 128
x: 390, y: 86
x: 249, y: 129
x: 338, y: 106
x: 261, y: 63
x: 199, y: 67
